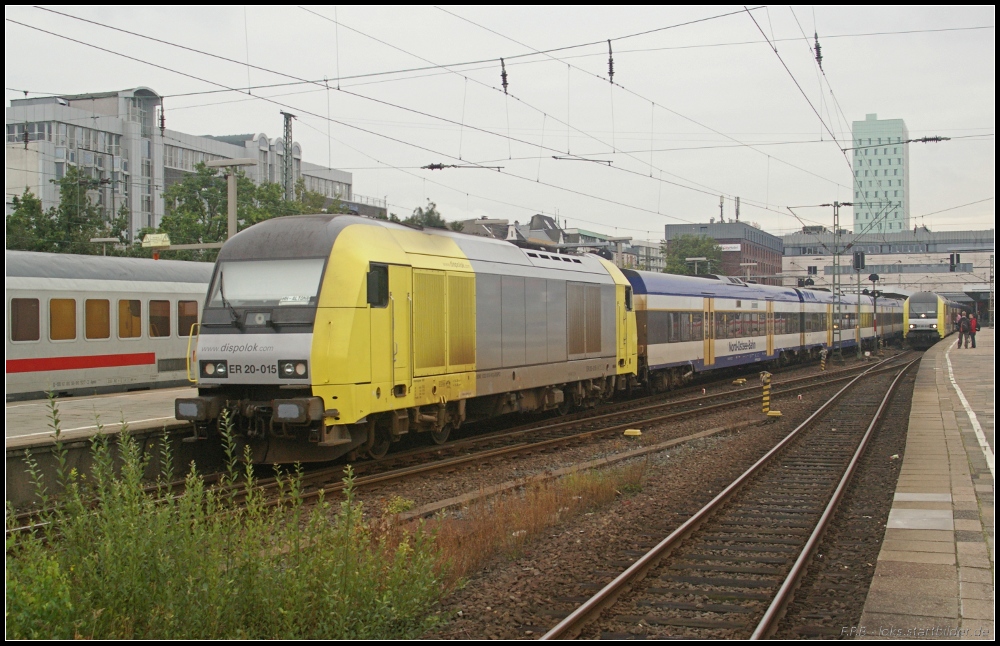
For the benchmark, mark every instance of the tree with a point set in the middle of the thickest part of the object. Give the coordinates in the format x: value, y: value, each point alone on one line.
x: 68, y: 227
x: 197, y: 208
x: 691, y: 246
x: 429, y: 217
x: 28, y: 227
x: 196, y: 213
x: 313, y: 202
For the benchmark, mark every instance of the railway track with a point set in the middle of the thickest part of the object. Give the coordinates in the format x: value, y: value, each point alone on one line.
x: 634, y: 410
x: 541, y: 435
x: 549, y: 434
x: 729, y: 571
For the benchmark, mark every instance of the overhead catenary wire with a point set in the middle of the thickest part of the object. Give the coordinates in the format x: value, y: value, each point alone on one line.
x: 952, y: 208
x: 634, y: 93
x: 318, y: 83
x: 709, y: 190
x: 510, y: 95
x: 826, y: 127
x: 340, y: 78
x: 425, y: 180
x: 309, y: 113
x: 463, y: 120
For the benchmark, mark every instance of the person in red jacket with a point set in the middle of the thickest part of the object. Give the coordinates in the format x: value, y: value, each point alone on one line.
x: 973, y: 326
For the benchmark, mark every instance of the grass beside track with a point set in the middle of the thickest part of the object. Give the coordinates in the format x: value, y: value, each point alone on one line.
x: 502, y: 525
x: 113, y: 558
x: 202, y: 565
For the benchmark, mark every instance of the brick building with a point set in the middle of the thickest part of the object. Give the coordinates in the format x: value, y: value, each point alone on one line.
x: 741, y: 243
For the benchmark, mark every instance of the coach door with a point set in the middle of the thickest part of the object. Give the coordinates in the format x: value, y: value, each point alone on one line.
x: 709, y: 326
x: 802, y: 325
x: 770, y: 328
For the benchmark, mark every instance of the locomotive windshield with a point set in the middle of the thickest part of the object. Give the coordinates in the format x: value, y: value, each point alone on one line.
x: 267, y: 283
x: 927, y: 308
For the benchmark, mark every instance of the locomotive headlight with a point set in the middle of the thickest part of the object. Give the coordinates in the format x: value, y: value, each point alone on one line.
x: 912, y: 326
x: 214, y: 369
x: 293, y: 369
x: 934, y: 325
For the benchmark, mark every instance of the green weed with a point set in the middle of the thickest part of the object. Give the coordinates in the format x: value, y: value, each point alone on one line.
x: 111, y: 561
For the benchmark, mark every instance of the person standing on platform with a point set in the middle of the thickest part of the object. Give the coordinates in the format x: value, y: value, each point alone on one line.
x: 963, y: 331
x: 973, y: 327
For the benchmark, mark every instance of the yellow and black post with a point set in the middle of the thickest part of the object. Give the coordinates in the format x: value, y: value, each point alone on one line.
x: 822, y: 359
x: 765, y: 382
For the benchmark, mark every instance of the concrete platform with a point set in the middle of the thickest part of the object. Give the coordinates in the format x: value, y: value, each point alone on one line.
x: 28, y: 421
x: 935, y: 573
x: 150, y: 418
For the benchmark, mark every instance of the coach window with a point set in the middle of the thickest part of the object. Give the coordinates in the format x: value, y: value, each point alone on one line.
x: 697, y: 329
x: 129, y: 319
x: 159, y: 318
x: 97, y: 319
x: 685, y: 327
x: 24, y: 319
x: 187, y: 317
x: 62, y: 319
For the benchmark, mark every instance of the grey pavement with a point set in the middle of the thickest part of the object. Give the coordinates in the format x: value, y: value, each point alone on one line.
x: 935, y: 573
x: 28, y: 421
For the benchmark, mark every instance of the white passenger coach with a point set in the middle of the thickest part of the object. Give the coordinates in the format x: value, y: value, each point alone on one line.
x: 92, y: 324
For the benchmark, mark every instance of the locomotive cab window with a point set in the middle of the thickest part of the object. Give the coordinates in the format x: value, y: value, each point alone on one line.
x: 24, y: 319
x: 96, y: 319
x: 628, y: 299
x: 159, y: 318
x: 187, y: 317
x: 267, y: 283
x: 62, y: 319
x: 378, y: 286
x: 129, y: 319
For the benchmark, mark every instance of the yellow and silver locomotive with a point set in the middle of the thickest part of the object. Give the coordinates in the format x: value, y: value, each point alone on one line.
x: 929, y: 318
x: 326, y: 335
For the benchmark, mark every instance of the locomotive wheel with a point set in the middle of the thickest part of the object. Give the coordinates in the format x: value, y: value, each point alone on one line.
x: 380, y: 446
x: 564, y: 407
x: 440, y: 437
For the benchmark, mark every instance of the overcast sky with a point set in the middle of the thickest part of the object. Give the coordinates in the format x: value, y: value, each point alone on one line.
x: 712, y: 100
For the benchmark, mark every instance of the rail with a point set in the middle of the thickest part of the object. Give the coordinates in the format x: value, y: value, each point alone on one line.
x: 572, y: 624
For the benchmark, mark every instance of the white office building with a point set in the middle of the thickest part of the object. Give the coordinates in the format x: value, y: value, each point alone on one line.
x: 115, y: 138
x: 881, y: 175
x: 913, y: 260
